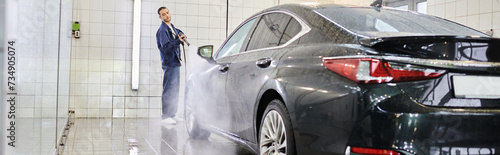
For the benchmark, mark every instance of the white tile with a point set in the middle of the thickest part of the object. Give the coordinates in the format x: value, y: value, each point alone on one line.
x: 49, y: 89
x: 154, y: 113
x: 122, y: 18
x: 142, y: 113
x: 81, y: 77
x: 128, y: 89
x: 50, y: 75
x: 106, y: 90
x: 143, y: 90
x: 107, y: 52
x: 128, y: 68
x: 144, y: 78
x: 203, y: 33
x: 485, y: 22
x: 472, y: 7
x: 81, y: 102
x: 82, y: 52
x: 95, y: 17
x: 121, y: 42
x: 473, y: 21
x: 109, y: 5
x: 496, y: 6
x: 118, y: 90
x: 118, y: 102
x: 118, y: 113
x: 146, y: 32
x: 143, y: 102
x: 496, y: 22
x: 80, y: 89
x: 461, y: 20
x: 92, y: 113
x: 181, y: 8
x: 26, y: 112
x: 124, y: 6
x: 82, y: 15
x: 95, y: 41
x: 155, y: 102
x: 119, y: 66
x: 106, y: 102
x: 107, y: 65
x: 496, y: 33
x: 49, y: 101
x: 450, y: 10
x: 95, y: 5
x: 48, y: 112
x: 203, y: 10
x: 145, y: 55
x: 108, y: 29
x: 95, y: 29
x: 82, y: 4
x: 461, y: 8
x: 130, y: 113
x: 247, y: 13
x: 146, y: 7
x: 26, y: 101
x: 94, y: 90
x: 485, y: 6
x: 108, y: 17
x: 440, y: 10
x: 120, y: 30
x: 94, y: 66
x: 105, y: 112
x: 155, y: 90
x: 106, y: 77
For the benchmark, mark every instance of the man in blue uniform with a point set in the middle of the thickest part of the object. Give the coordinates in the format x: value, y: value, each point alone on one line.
x: 168, y: 39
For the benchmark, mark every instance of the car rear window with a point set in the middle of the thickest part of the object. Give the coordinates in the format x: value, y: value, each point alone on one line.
x: 391, y: 22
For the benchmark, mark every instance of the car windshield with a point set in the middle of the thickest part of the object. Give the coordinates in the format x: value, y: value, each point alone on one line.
x: 391, y: 22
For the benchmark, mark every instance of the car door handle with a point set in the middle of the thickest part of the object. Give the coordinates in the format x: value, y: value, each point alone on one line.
x: 223, y: 68
x: 263, y: 62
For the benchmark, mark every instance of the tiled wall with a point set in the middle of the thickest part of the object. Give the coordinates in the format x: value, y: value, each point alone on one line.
x: 482, y: 15
x: 101, y: 59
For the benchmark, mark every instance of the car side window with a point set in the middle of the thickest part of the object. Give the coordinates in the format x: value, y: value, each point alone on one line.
x: 234, y: 44
x: 291, y: 30
x: 268, y: 31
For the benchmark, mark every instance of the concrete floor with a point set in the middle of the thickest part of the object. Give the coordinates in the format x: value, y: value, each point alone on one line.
x: 141, y: 136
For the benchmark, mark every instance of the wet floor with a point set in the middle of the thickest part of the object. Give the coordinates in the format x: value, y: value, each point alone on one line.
x: 142, y: 136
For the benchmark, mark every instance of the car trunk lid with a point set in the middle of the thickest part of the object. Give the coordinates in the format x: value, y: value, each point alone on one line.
x: 472, y: 67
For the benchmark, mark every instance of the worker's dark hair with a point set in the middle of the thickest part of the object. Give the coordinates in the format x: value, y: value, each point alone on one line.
x: 161, y: 8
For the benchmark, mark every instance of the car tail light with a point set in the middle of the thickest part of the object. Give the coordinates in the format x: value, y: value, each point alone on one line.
x: 371, y: 70
x: 360, y: 150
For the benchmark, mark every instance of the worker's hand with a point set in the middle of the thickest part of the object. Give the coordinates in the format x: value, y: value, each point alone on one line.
x: 181, y: 37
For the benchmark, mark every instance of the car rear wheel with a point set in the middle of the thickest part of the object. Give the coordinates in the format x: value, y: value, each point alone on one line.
x: 276, y: 135
x: 192, y: 124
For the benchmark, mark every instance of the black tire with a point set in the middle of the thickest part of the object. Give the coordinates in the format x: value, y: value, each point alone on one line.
x: 277, y: 113
x: 192, y: 119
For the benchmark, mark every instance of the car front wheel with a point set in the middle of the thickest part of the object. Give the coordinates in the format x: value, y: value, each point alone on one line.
x: 276, y: 135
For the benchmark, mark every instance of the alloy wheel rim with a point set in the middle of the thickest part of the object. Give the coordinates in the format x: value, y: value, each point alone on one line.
x: 273, y: 135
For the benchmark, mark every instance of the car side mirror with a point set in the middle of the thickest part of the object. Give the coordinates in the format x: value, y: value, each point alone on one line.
x: 206, y: 52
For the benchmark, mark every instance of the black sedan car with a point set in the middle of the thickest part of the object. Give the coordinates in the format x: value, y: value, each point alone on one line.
x: 330, y: 79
